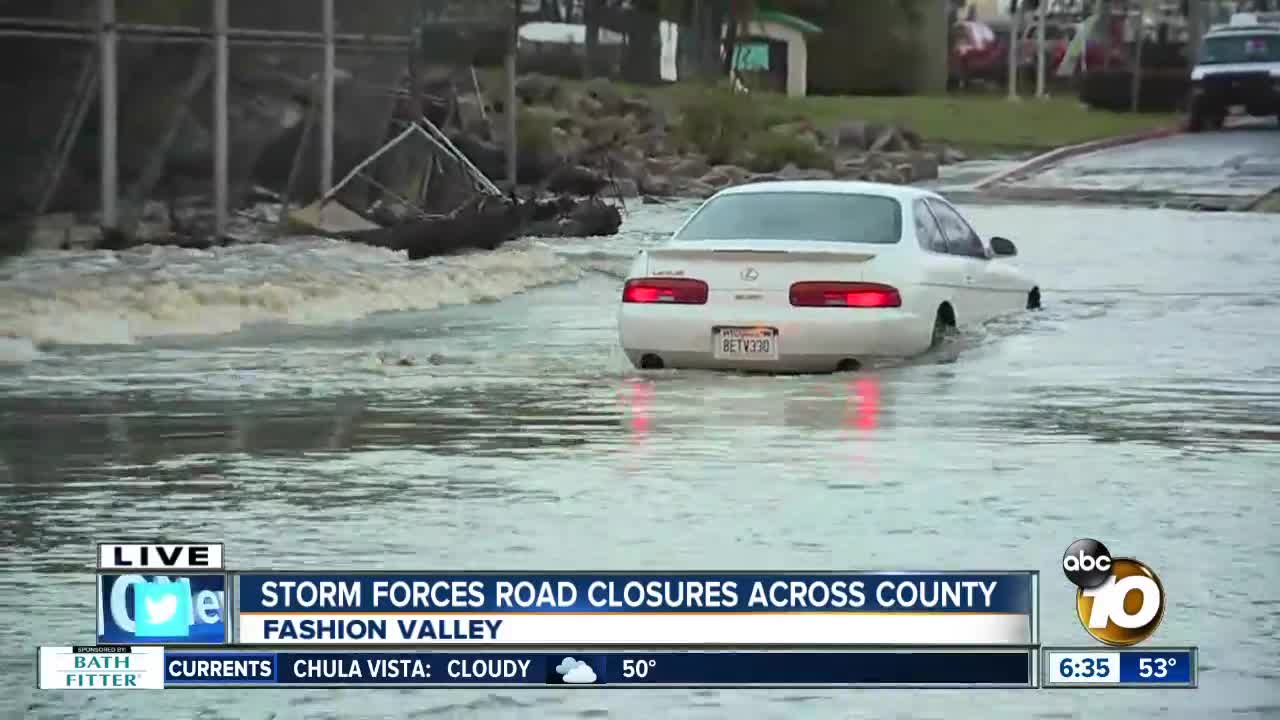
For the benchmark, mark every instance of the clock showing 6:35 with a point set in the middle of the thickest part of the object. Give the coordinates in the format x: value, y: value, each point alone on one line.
x: 1099, y: 668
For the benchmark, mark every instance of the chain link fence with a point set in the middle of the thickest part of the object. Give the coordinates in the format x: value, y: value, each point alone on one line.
x: 53, y: 72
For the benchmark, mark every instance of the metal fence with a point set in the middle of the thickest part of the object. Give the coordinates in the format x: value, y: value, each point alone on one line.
x: 122, y: 101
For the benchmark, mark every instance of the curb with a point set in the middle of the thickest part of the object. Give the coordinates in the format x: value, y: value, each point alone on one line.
x: 1265, y: 202
x: 1044, y: 160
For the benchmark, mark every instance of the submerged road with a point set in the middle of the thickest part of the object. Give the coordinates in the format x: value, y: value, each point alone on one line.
x: 1141, y: 407
x: 1238, y: 161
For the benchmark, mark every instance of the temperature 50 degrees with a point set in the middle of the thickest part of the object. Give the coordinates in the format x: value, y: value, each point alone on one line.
x: 638, y: 669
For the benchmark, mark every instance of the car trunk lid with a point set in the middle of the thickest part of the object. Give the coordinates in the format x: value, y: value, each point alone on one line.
x: 761, y: 266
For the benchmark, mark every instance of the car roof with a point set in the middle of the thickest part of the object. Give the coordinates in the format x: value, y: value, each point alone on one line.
x: 902, y: 193
x: 1244, y: 30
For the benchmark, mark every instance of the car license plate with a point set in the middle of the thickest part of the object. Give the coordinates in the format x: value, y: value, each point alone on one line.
x: 746, y: 344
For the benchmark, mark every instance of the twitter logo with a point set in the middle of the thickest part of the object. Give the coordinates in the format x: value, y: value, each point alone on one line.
x: 162, y: 609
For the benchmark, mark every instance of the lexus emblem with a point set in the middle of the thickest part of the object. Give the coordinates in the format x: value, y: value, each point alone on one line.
x: 750, y: 274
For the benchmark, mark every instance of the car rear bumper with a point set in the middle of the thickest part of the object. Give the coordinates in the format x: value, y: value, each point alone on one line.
x: 809, y: 339
x: 1258, y: 94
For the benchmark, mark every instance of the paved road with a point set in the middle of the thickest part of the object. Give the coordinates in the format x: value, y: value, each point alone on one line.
x: 1238, y: 161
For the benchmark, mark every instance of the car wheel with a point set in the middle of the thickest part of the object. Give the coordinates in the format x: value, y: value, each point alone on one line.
x: 1196, y: 122
x: 944, y: 323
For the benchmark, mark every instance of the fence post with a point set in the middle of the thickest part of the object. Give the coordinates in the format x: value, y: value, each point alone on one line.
x: 512, y: 100
x: 108, y: 135
x: 221, y: 69
x: 1195, y: 29
x: 1041, y: 60
x: 1139, y: 37
x: 1015, y: 46
x: 327, y: 119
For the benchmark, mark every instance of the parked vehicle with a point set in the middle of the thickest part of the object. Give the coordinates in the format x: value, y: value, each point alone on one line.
x: 977, y: 53
x: 1238, y: 72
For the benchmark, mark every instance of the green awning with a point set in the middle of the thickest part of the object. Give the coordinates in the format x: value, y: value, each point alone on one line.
x: 791, y: 21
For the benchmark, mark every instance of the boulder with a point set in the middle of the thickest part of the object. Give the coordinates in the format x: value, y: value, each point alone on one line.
x: 852, y: 135
x: 576, y: 180
x: 723, y: 175
x: 657, y: 185
x: 924, y: 166
x: 791, y: 172
x: 889, y: 175
x: 851, y: 168
x: 471, y: 116
x: 889, y: 140
x: 538, y: 89
x: 662, y: 165
x: 608, y: 130
x: 626, y: 187
x: 594, y: 218
x: 610, y: 97
x: 691, y: 166
x: 696, y: 188
x: 638, y: 106
x: 910, y: 138
x: 589, y: 106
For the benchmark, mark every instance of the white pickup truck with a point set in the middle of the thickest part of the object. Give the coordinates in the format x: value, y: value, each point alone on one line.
x: 1238, y: 71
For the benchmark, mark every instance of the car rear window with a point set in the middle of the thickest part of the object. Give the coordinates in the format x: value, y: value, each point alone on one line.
x: 1241, y: 48
x: 830, y: 217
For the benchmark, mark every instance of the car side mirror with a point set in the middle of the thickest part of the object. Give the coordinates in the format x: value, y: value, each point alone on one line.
x: 1003, y: 247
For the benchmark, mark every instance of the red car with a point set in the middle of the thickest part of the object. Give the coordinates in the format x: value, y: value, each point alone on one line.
x: 977, y: 53
x: 1058, y: 38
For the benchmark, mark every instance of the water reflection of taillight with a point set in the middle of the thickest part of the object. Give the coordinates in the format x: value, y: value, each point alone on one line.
x: 640, y: 396
x: 864, y: 404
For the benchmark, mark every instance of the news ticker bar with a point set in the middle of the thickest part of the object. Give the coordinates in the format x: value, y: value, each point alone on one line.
x: 522, y: 609
x: 152, y: 667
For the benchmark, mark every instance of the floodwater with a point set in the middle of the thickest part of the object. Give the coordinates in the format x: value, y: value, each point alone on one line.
x: 1140, y: 407
x: 1240, y: 161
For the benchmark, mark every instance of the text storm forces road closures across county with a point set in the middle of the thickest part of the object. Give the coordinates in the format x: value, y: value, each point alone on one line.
x: 902, y: 593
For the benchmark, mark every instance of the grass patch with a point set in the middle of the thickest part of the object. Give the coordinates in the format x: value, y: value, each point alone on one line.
x: 718, y: 123
x: 974, y: 123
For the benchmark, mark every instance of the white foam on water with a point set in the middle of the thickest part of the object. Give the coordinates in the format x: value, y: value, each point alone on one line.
x: 117, y: 298
x: 17, y: 351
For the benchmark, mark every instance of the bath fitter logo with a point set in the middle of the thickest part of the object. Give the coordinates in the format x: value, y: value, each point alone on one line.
x: 162, y: 609
x: 1119, y: 601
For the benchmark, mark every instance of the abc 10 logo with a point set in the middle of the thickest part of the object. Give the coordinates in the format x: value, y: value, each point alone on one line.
x: 1120, y: 601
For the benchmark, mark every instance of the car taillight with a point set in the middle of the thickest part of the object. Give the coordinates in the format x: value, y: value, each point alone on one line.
x: 837, y: 294
x: 674, y: 291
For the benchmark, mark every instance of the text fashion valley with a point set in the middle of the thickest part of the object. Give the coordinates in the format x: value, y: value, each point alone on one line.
x: 377, y: 629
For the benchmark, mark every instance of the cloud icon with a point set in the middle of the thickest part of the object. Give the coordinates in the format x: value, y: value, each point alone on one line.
x: 580, y: 675
x: 568, y: 664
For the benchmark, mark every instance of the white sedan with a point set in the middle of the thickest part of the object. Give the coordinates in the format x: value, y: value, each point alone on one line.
x: 814, y: 276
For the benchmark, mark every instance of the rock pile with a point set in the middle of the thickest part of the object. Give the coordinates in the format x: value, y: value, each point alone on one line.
x: 593, y: 139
